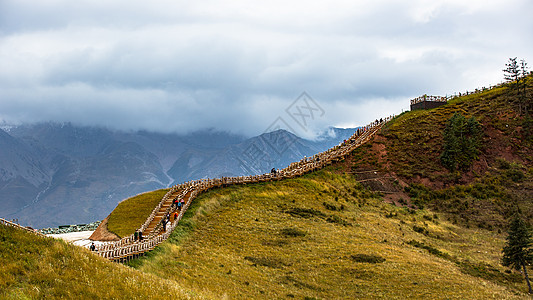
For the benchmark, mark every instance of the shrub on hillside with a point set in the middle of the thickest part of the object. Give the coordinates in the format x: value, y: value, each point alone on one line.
x: 420, y: 230
x: 293, y: 232
x: 514, y: 174
x: 337, y: 220
x: 430, y: 249
x: 304, y: 212
x: 271, y: 262
x: 367, y: 258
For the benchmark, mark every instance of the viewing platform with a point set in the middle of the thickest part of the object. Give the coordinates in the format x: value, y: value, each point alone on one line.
x: 428, y: 102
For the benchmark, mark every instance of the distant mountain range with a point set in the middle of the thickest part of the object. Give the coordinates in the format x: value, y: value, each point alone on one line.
x: 54, y: 174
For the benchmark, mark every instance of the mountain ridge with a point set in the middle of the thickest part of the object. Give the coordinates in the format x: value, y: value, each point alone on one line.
x: 78, y: 174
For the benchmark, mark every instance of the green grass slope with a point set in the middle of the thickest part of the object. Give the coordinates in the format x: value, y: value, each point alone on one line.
x: 323, y: 236
x: 497, y: 184
x: 33, y: 267
x: 414, y: 140
x: 132, y: 212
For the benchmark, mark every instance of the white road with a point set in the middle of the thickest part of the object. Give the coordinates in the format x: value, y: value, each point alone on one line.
x: 80, y: 238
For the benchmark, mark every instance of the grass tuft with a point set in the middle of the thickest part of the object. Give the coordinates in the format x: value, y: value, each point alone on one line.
x: 270, y: 262
x: 293, y: 232
x: 305, y: 212
x: 367, y: 258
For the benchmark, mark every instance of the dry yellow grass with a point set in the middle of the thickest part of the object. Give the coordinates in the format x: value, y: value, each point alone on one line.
x: 321, y: 236
x: 33, y: 267
x: 279, y: 240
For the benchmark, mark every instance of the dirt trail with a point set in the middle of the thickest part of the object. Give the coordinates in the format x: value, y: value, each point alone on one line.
x: 102, y: 234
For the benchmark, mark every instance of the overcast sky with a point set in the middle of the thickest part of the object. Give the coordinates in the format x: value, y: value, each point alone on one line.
x: 242, y: 65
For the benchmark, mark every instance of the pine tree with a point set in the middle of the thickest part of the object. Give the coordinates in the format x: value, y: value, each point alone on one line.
x: 472, y: 140
x: 462, y: 140
x: 451, y: 142
x: 516, y: 75
x: 517, y: 252
x: 523, y: 86
x: 512, y: 72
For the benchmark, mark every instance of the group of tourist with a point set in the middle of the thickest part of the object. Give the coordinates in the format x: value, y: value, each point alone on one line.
x: 138, y: 235
x: 178, y: 202
x: 166, y: 219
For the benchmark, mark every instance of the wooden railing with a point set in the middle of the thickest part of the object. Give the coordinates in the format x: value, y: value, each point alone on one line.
x: 429, y: 98
x: 127, y: 247
x: 9, y: 223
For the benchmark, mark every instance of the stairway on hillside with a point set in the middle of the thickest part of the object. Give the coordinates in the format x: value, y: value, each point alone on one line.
x: 160, y: 214
x: 162, y: 211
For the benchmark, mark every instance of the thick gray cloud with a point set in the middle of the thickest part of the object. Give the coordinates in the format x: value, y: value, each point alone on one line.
x: 188, y: 65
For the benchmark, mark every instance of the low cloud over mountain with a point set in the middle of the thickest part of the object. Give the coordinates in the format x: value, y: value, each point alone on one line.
x: 53, y: 174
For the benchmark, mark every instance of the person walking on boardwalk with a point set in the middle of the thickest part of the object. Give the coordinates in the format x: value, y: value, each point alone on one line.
x: 136, y: 235
x: 92, y: 247
x: 140, y: 236
x: 165, y: 224
x: 175, y: 202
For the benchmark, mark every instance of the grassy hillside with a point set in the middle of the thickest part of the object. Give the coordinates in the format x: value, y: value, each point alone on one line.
x: 132, y: 212
x: 409, y: 148
x: 33, y: 267
x: 323, y: 236
x: 414, y: 140
x: 497, y: 184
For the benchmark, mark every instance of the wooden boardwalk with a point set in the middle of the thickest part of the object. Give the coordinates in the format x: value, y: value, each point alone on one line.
x: 152, y: 229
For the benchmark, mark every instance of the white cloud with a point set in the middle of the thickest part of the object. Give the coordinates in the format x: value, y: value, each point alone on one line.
x: 182, y: 65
